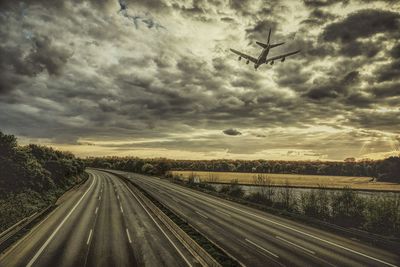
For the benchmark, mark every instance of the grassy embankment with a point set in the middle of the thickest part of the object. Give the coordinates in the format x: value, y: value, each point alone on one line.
x: 32, y: 178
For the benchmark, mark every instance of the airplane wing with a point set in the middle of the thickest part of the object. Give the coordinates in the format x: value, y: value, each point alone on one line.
x: 282, y: 56
x: 252, y: 59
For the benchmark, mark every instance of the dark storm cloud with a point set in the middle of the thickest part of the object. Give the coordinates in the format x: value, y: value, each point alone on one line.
x: 323, y: 3
x: 360, y: 100
x: 368, y: 49
x: 387, y: 89
x: 389, y: 72
x: 362, y: 24
x: 319, y: 17
x: 376, y: 120
x: 395, y: 51
x: 44, y: 55
x: 232, y: 131
x: 259, y: 31
x: 293, y: 76
x: 333, y: 87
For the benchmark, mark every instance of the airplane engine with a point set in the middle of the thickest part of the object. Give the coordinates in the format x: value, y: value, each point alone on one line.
x: 248, y: 61
x: 240, y: 58
x: 283, y: 59
x: 272, y: 62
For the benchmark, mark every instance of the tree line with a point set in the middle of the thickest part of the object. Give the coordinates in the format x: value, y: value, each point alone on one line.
x: 31, y: 177
x: 381, y: 170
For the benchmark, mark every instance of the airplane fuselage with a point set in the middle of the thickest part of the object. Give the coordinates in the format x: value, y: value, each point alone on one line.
x: 262, y: 58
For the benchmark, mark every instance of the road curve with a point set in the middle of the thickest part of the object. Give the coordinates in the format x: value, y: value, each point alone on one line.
x: 102, y: 223
x: 257, y: 238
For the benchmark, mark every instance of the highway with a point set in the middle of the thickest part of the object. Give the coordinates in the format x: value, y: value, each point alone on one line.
x: 257, y: 238
x: 101, y: 223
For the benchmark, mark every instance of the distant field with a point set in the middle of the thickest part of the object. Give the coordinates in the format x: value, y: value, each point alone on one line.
x: 298, y: 180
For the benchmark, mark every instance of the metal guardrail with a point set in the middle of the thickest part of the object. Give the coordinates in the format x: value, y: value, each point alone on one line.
x: 13, y: 227
x: 7, y: 235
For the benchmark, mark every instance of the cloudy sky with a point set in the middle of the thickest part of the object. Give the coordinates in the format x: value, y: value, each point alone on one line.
x: 158, y: 79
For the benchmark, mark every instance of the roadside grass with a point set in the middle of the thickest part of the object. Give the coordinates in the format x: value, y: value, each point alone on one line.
x: 295, y: 180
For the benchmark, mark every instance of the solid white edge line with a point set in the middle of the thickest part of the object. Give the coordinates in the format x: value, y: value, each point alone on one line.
x: 32, y: 261
x: 201, y: 214
x: 263, y: 249
x: 90, y: 234
x: 293, y: 244
x: 288, y: 227
x: 129, y: 237
x: 159, y: 227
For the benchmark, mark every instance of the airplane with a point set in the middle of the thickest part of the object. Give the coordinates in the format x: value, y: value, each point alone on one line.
x: 262, y: 58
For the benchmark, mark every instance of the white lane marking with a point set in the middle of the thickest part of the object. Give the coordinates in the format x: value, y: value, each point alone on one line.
x: 121, y: 208
x: 118, y: 197
x: 293, y: 244
x: 129, y: 237
x: 159, y: 227
x: 90, y: 235
x: 32, y: 261
x: 224, y: 213
x: 99, y: 197
x: 97, y: 208
x: 201, y: 214
x: 263, y: 249
x: 286, y: 226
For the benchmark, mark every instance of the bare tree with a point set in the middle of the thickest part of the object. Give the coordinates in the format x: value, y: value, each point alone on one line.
x: 265, y: 186
x: 212, y: 178
x: 193, y: 178
x: 287, y: 196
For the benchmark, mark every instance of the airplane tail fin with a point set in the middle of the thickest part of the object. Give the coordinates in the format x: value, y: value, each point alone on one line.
x: 269, y: 35
x: 267, y: 44
x: 261, y: 44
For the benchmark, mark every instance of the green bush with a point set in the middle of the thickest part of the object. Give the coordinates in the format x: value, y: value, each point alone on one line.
x: 32, y: 177
x: 316, y: 203
x: 233, y: 189
x: 382, y: 215
x: 347, y: 208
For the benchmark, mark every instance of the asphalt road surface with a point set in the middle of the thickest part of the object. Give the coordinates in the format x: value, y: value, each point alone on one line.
x: 257, y: 238
x: 102, y: 223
